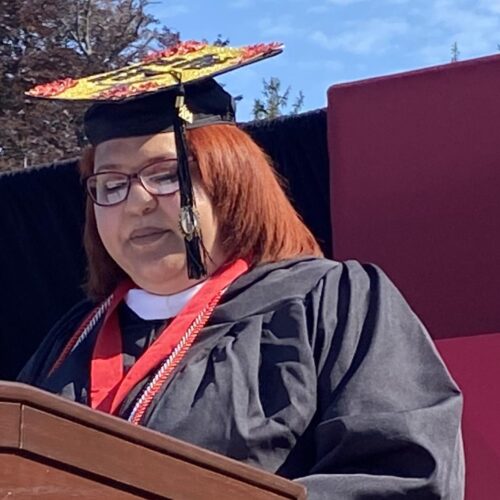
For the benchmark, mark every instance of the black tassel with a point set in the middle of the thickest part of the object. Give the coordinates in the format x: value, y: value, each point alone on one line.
x: 195, y: 266
x: 188, y: 218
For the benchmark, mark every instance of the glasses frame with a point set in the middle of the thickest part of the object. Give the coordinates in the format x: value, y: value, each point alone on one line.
x: 130, y: 178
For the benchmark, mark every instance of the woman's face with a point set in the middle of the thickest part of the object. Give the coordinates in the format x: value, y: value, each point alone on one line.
x: 142, y: 233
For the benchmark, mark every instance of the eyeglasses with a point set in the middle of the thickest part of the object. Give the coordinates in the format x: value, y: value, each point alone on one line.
x: 110, y: 188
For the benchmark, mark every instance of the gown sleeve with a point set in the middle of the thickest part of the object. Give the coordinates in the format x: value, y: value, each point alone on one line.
x: 37, y: 367
x: 388, y: 418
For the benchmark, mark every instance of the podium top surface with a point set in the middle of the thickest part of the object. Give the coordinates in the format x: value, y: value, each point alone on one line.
x: 37, y: 424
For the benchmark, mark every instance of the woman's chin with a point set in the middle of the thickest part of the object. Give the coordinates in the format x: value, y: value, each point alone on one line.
x: 164, y: 279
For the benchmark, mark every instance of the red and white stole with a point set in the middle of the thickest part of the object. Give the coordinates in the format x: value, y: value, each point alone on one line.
x: 109, y: 384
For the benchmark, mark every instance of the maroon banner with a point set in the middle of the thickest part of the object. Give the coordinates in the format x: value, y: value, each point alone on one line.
x: 415, y: 176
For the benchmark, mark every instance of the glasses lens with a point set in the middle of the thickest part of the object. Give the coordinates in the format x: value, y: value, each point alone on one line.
x: 108, y: 188
x: 161, y: 178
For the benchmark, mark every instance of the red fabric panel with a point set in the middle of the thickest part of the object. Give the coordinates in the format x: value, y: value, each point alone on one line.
x: 473, y: 362
x: 415, y: 172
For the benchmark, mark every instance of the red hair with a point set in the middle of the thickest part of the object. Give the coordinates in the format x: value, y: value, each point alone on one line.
x: 256, y: 220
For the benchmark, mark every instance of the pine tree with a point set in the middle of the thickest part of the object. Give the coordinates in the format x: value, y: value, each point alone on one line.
x: 455, y: 53
x: 274, y: 101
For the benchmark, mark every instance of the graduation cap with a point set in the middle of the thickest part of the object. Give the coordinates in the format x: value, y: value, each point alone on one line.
x: 169, y: 90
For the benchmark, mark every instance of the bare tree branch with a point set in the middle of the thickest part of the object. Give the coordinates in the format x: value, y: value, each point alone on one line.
x: 44, y: 40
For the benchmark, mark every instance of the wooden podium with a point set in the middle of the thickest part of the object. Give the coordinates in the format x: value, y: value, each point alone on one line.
x: 55, y: 449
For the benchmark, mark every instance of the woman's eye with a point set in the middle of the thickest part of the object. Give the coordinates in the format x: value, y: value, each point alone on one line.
x: 114, y: 185
x: 163, y: 178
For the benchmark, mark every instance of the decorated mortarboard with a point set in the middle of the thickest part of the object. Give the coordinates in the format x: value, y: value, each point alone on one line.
x: 169, y: 90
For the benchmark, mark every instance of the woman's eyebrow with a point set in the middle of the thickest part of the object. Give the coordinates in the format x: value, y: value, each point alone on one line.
x: 108, y: 166
x: 149, y: 161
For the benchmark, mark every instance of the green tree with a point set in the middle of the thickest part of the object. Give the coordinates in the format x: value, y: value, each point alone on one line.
x: 275, y: 101
x: 43, y: 40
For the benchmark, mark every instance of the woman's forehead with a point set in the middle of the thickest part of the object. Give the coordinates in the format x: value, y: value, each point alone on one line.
x: 132, y: 151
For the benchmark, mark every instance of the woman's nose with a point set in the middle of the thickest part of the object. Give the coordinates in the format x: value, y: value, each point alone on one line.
x: 139, y: 200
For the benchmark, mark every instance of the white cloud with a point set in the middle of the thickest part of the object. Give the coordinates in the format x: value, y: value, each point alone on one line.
x: 370, y: 36
x: 492, y: 6
x: 427, y: 28
x: 475, y: 29
x: 278, y: 27
x: 450, y: 14
x: 333, y: 65
x: 328, y: 5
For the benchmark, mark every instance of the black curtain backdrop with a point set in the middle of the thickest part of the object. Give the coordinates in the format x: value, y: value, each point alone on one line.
x: 298, y: 148
x: 42, y: 259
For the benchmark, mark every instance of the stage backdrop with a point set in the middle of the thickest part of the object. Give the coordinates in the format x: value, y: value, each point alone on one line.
x: 42, y: 260
x: 415, y: 172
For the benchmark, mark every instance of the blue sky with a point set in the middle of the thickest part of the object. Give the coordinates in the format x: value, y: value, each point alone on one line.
x: 332, y: 41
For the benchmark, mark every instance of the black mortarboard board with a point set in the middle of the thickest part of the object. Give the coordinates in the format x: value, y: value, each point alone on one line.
x: 169, y: 90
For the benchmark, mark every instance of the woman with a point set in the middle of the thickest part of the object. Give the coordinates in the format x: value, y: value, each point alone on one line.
x: 314, y: 370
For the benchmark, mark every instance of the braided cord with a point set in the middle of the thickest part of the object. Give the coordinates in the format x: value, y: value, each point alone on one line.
x: 173, y: 360
x: 87, y: 325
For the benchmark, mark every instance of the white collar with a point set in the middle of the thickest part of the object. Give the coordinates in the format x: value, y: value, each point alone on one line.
x: 151, y: 306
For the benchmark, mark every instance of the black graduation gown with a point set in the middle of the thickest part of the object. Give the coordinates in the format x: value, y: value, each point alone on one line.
x: 315, y: 370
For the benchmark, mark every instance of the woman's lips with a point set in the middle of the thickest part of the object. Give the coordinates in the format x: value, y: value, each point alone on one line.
x: 145, y: 236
